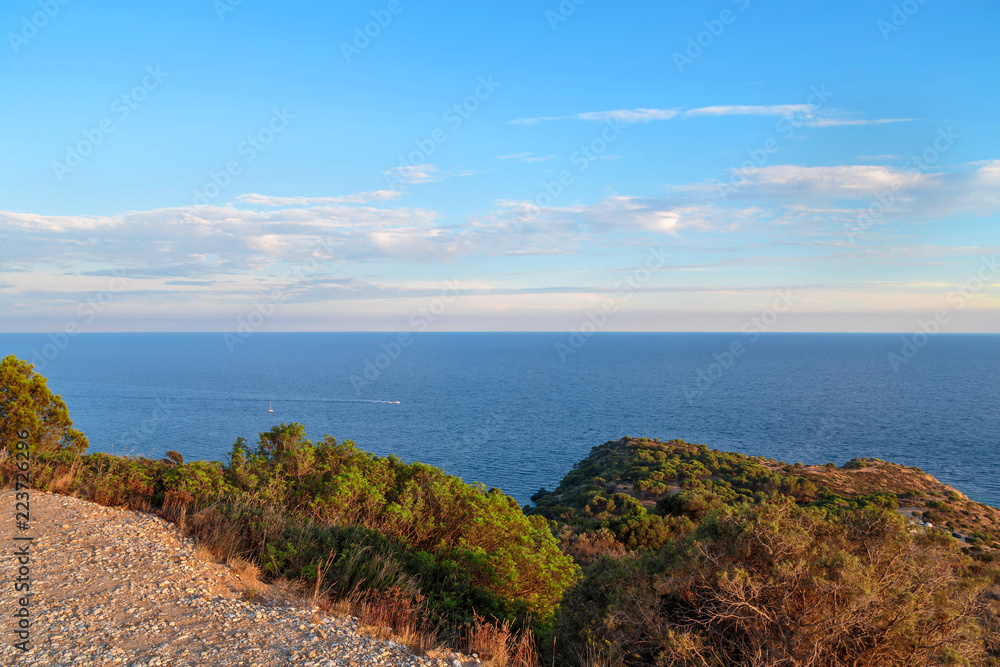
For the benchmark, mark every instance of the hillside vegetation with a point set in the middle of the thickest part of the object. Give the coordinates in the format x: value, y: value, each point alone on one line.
x: 628, y: 483
x: 694, y: 556
x: 353, y: 521
x: 647, y: 553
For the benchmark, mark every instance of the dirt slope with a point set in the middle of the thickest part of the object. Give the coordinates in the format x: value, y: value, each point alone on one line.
x: 117, y: 587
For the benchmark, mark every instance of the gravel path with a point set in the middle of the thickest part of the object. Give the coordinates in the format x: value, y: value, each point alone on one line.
x: 117, y: 587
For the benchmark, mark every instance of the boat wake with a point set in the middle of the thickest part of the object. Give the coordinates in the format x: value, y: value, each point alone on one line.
x: 339, y: 400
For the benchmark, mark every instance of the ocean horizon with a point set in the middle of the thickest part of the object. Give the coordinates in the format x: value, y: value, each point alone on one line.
x: 517, y: 410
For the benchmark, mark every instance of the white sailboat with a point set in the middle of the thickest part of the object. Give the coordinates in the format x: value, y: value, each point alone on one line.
x: 269, y: 408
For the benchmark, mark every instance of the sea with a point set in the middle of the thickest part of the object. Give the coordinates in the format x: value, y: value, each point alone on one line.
x: 517, y: 410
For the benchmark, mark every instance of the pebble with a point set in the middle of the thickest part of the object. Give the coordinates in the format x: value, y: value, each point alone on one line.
x: 119, y: 587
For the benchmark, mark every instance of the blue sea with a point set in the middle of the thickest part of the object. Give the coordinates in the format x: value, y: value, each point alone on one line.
x: 517, y: 410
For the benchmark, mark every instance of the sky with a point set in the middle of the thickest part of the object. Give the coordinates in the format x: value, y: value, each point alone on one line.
x: 397, y: 165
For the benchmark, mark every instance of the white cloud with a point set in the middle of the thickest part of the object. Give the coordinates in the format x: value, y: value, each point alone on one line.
x: 836, y: 122
x: 791, y: 200
x: 225, y: 243
x: 358, y: 198
x: 811, y: 116
x: 414, y: 174
x: 273, y: 244
x: 837, y: 181
x: 752, y: 110
x: 640, y: 115
x: 527, y: 157
x: 629, y: 115
x: 213, y: 240
x: 53, y: 223
x: 881, y: 157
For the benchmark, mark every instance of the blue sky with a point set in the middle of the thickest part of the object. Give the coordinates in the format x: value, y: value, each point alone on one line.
x: 181, y: 166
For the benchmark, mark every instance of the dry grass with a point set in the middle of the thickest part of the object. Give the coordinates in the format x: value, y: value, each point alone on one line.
x: 249, y: 576
x: 64, y: 482
x: 203, y: 552
x: 392, y: 614
x: 321, y: 592
x: 246, y: 571
x: 913, y: 487
x: 500, y: 646
x: 592, y: 658
x: 874, y: 478
x: 175, y: 508
x: 215, y: 534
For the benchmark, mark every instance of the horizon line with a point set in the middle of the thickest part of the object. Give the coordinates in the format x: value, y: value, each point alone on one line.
x: 502, y: 331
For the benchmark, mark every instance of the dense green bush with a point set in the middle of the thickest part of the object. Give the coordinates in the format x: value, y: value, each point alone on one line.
x: 297, y: 507
x: 511, y: 556
x: 27, y: 404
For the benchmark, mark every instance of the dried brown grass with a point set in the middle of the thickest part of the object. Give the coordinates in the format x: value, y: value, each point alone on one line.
x: 176, y: 505
x: 501, y: 646
x: 247, y: 571
x: 215, y: 533
x: 64, y: 480
x: 394, y: 614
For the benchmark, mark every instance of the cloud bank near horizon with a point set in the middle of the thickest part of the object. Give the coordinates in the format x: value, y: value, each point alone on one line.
x: 727, y: 238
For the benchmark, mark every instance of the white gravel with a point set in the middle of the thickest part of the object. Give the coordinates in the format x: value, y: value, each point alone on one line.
x: 118, y: 587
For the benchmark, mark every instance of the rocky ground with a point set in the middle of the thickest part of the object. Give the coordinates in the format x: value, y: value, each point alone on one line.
x: 117, y: 587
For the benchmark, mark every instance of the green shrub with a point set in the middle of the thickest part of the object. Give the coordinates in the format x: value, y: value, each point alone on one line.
x: 778, y: 581
x: 481, y: 532
x: 27, y: 405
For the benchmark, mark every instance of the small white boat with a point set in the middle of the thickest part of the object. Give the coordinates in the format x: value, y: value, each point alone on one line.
x: 269, y: 408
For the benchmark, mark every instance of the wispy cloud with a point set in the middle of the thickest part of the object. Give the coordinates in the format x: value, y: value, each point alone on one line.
x: 809, y: 116
x: 751, y: 110
x: 788, y: 200
x: 881, y: 157
x: 414, y: 174
x: 527, y: 157
x: 196, y: 241
x: 629, y: 115
x: 358, y: 198
x: 621, y: 115
x: 835, y: 122
x: 198, y: 255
